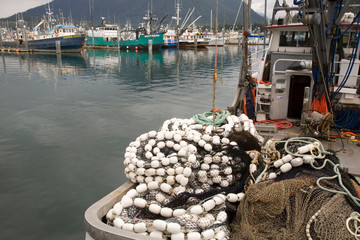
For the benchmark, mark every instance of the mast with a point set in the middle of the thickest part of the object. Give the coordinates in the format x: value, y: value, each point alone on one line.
x: 211, y: 20
x: 49, y: 13
x: 149, y: 18
x: 177, y: 18
x: 244, y: 78
x: 91, y: 9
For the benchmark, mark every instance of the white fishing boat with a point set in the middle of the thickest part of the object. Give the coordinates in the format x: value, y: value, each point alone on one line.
x: 217, y: 40
x: 233, y: 38
x: 104, y: 33
x: 188, y: 181
x: 170, y: 39
x: 194, y: 38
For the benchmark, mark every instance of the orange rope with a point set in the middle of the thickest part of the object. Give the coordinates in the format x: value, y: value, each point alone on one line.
x: 320, y: 105
x: 345, y: 134
x: 280, y: 124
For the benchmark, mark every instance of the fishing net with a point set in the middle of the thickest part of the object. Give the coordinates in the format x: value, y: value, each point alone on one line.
x: 184, y: 175
x: 294, y: 208
x: 297, y: 190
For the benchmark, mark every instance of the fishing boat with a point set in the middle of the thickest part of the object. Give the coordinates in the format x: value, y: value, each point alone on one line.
x: 217, y: 40
x: 170, y: 39
x: 141, y: 42
x: 111, y: 36
x: 105, y: 35
x: 194, y: 38
x: 53, y: 38
x: 241, y: 172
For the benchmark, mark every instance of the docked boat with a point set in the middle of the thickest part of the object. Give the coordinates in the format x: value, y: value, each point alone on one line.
x: 217, y: 40
x: 243, y: 173
x: 141, y: 42
x: 58, y: 38
x: 105, y: 35
x: 170, y: 39
x: 233, y: 38
x: 193, y: 38
x: 111, y: 36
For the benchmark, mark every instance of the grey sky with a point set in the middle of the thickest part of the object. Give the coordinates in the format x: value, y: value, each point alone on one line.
x: 10, y: 7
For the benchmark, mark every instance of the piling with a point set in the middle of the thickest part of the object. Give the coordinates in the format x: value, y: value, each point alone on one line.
x: 118, y: 37
x: 58, y: 46
x: 25, y: 39
x: 1, y: 43
x: 150, y: 45
x: 195, y: 42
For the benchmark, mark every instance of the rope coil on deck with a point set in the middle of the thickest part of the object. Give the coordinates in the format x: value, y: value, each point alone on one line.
x: 207, y: 117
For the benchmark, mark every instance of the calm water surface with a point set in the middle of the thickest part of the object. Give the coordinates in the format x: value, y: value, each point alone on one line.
x: 65, y: 123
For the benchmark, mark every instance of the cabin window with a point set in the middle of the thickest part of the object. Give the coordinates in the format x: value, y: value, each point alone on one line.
x: 280, y: 86
x: 294, y: 39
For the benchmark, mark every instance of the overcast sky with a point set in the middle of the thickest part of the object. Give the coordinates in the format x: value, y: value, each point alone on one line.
x: 10, y: 7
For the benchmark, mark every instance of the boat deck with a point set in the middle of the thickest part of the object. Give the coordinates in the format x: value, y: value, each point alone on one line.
x: 346, y: 149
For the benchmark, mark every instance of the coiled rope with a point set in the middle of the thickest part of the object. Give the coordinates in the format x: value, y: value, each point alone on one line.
x: 322, y: 155
x: 355, y: 218
x: 210, y: 118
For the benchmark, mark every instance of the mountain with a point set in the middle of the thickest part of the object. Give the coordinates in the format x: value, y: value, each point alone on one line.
x: 121, y: 11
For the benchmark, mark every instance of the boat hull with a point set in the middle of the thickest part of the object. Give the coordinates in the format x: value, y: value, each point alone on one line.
x: 141, y: 43
x: 191, y: 45
x: 67, y: 44
x: 97, y: 229
x: 170, y: 42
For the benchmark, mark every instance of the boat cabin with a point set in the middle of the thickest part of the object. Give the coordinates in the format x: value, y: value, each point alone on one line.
x: 285, y: 86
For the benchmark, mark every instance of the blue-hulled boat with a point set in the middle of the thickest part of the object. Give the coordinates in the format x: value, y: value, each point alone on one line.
x: 58, y: 38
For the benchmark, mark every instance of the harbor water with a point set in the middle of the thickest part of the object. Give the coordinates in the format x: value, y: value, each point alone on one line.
x: 65, y: 121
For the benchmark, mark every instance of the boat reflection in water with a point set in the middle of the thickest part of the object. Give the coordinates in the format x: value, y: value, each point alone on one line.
x: 156, y: 67
x: 49, y: 66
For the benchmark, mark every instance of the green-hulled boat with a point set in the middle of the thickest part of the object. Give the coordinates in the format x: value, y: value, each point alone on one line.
x: 142, y: 42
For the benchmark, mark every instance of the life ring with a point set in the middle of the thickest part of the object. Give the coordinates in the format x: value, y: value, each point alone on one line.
x: 56, y: 34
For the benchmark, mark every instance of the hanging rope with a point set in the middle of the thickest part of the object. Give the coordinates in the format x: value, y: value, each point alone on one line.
x: 215, y: 70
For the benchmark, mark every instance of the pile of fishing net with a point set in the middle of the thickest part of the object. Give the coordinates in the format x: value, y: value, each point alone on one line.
x: 297, y: 190
x: 185, y: 175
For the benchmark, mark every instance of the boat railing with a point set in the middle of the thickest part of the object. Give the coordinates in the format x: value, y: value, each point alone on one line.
x: 256, y: 59
x: 306, y: 63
